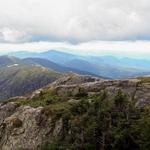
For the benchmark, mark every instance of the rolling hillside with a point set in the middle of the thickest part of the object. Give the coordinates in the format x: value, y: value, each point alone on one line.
x: 18, y: 78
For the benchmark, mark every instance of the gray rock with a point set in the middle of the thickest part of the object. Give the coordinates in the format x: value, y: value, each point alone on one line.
x: 29, y: 128
x: 26, y: 128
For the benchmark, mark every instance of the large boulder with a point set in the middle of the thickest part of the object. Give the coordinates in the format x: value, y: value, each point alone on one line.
x: 26, y: 127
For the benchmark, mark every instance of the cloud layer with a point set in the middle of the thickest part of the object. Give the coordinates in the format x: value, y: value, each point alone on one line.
x: 136, y: 49
x: 74, y: 20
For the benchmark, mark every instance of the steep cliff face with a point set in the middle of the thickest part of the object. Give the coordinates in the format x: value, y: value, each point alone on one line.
x: 64, y: 112
x: 25, y: 127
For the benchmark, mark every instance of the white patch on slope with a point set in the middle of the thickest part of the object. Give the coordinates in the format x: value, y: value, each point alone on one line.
x: 14, y: 65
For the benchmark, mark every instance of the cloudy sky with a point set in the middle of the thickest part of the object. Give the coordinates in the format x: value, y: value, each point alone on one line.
x: 119, y: 27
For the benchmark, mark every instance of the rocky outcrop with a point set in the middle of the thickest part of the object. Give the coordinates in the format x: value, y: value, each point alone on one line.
x: 26, y: 127
x: 6, y: 110
x: 73, y: 78
x: 134, y: 88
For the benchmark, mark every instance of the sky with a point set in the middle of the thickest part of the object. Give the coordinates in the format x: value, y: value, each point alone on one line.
x: 117, y: 27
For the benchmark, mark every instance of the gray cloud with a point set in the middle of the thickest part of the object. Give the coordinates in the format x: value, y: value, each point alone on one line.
x: 74, y: 20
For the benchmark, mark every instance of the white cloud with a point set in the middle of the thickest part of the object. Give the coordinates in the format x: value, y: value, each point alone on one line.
x: 8, y: 35
x: 118, y: 27
x: 137, y: 49
x: 74, y: 20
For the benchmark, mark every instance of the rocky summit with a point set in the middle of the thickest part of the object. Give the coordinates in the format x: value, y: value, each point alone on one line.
x: 78, y: 112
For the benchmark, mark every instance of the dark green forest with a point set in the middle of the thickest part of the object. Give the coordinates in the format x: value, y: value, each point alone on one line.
x: 97, y: 122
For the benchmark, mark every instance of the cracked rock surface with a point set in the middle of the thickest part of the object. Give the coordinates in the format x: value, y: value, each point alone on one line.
x: 26, y: 127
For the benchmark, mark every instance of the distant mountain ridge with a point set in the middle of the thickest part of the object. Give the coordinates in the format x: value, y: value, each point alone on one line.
x: 52, y: 55
x: 105, y: 66
x: 56, y: 67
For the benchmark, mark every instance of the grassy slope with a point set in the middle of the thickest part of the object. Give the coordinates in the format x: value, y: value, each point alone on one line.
x: 21, y: 79
x: 144, y: 79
